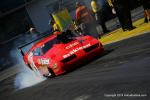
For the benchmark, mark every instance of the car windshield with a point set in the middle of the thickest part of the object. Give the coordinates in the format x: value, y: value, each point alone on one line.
x: 48, y: 45
x: 62, y: 38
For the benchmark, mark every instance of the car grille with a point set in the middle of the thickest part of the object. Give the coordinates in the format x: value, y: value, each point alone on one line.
x: 69, y: 58
x: 91, y: 48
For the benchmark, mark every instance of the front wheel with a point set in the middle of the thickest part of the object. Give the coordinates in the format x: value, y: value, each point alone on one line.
x: 51, y: 74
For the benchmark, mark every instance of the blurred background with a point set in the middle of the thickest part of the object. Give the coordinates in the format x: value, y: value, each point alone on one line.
x: 17, y: 16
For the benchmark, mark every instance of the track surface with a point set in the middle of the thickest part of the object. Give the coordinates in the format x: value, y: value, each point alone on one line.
x: 124, y: 69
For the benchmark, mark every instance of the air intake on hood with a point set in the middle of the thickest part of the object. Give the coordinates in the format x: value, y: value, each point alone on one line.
x: 69, y: 58
x: 91, y: 48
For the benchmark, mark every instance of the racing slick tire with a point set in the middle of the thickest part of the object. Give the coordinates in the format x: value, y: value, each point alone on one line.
x: 51, y: 74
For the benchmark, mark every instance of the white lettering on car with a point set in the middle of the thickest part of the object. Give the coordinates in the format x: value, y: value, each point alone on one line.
x: 72, y: 45
x: 76, y: 50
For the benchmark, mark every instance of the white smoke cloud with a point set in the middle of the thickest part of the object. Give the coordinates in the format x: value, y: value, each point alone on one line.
x: 27, y: 78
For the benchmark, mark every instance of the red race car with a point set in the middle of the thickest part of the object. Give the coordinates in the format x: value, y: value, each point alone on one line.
x: 56, y: 54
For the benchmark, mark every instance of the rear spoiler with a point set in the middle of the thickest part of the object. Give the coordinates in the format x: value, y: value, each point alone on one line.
x: 26, y: 44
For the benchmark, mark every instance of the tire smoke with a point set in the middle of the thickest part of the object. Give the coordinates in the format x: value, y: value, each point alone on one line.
x: 27, y: 78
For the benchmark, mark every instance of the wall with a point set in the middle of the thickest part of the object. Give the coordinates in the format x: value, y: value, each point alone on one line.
x: 39, y: 14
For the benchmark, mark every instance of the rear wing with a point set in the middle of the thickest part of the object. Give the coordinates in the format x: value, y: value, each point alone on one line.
x: 20, y: 48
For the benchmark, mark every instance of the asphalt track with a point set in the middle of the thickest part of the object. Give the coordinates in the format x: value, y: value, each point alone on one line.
x: 122, y: 73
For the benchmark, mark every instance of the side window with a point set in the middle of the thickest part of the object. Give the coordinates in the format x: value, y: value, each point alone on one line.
x: 37, y: 52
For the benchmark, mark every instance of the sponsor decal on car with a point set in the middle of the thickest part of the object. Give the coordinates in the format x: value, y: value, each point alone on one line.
x: 72, y: 45
x: 43, y: 61
x: 76, y: 50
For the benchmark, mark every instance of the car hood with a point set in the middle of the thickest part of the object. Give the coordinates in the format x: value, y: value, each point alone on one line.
x: 64, y: 50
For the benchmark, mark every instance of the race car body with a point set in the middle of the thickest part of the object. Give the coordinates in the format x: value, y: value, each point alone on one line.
x: 56, y: 54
